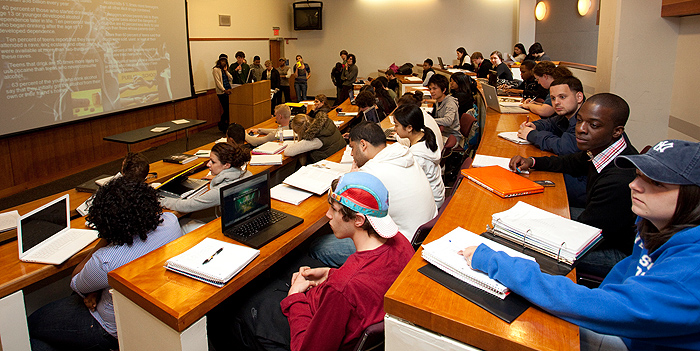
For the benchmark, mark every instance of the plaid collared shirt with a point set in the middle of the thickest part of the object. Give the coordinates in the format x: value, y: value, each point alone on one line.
x: 604, y: 158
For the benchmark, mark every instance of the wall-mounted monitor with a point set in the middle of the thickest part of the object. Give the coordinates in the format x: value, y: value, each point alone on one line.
x: 307, y: 15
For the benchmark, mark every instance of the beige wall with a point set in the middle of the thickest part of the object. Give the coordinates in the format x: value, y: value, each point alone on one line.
x: 684, y: 120
x: 566, y: 35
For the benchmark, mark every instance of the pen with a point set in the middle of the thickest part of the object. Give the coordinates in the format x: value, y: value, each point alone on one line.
x: 212, y: 256
x: 527, y: 120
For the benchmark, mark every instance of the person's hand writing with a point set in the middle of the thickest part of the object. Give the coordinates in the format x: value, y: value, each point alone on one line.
x: 525, y: 129
x: 90, y: 300
x: 468, y: 253
x: 526, y: 104
x: 255, y: 130
x: 520, y: 164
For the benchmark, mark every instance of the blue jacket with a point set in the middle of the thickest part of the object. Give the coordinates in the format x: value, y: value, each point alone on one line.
x: 652, y: 300
x: 555, y: 134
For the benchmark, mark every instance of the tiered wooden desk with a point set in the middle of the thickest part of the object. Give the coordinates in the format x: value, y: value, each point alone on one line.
x: 436, y: 310
x: 16, y: 275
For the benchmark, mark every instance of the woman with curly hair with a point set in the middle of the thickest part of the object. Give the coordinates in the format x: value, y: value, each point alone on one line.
x: 227, y: 163
x: 130, y: 224
x: 318, y: 136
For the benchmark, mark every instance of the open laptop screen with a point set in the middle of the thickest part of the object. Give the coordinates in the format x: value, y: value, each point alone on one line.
x: 42, y: 224
x: 244, y: 199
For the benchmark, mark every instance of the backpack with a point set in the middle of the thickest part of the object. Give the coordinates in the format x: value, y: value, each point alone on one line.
x: 405, y: 69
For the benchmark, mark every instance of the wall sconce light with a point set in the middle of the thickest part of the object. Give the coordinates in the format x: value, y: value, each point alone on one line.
x: 583, y: 7
x: 540, y: 10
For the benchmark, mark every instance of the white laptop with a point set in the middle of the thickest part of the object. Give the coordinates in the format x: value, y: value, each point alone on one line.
x: 493, y: 103
x: 44, y: 235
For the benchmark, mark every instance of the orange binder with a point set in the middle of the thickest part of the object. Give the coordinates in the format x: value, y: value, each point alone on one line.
x: 502, y: 182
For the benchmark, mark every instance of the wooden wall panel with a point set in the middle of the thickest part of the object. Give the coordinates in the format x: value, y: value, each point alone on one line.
x: 6, y: 176
x: 680, y: 8
x: 40, y: 157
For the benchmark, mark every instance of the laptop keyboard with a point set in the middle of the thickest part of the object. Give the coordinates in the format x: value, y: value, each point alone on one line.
x: 57, y: 245
x: 254, y: 226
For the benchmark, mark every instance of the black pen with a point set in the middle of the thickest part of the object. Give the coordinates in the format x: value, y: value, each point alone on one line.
x: 212, y: 256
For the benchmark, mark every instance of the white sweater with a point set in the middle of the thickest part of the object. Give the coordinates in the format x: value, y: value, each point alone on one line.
x: 411, y: 202
x: 429, y: 161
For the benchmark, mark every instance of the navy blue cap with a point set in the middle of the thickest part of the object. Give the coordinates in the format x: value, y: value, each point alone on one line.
x: 669, y: 161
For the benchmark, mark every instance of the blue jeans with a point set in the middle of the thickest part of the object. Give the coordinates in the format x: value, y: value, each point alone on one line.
x: 600, y: 262
x: 592, y: 341
x: 67, y: 324
x: 332, y: 251
x: 300, y: 89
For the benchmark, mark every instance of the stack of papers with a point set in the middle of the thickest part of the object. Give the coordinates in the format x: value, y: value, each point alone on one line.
x: 554, y: 236
x: 159, y: 129
x: 513, y: 137
x: 8, y: 220
x: 264, y: 160
x: 269, y: 148
x: 181, y: 121
x: 316, y: 178
x: 347, y: 155
x: 444, y: 254
x: 413, y: 79
x: 288, y: 194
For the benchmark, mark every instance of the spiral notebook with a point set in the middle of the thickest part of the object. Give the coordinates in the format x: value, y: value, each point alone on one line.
x: 212, y: 261
x: 443, y: 253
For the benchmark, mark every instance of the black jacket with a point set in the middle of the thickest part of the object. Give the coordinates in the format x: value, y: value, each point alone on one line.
x: 274, y: 78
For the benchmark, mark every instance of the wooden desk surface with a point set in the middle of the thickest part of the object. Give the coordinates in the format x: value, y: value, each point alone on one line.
x: 179, y: 301
x: 424, y: 302
x: 17, y: 275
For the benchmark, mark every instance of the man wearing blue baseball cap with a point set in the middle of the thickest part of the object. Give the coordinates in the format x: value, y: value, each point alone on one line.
x: 328, y: 308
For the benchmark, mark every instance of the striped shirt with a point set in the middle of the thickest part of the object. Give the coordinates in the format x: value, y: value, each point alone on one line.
x: 93, y: 276
x: 604, y: 158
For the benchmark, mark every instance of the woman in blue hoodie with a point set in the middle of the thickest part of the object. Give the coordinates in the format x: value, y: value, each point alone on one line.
x: 651, y: 299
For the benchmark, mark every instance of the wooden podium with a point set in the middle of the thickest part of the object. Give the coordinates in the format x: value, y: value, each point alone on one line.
x: 249, y: 104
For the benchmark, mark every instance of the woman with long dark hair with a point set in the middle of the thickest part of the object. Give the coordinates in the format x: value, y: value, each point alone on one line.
x: 519, y: 52
x: 223, y: 80
x: 649, y: 301
x: 462, y: 87
x: 464, y: 60
x: 410, y: 125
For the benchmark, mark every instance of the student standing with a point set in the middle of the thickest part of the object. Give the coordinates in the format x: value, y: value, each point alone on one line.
x: 649, y: 301
x: 256, y: 70
x: 223, y: 81
x: 302, y: 73
x: 348, y: 78
x: 285, y: 74
x: 273, y: 75
x: 239, y: 69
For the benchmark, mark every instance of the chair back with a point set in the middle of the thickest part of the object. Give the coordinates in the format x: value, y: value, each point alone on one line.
x: 371, y: 338
x: 466, y: 121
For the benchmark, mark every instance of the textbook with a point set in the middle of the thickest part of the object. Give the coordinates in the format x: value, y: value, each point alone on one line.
x: 180, y: 158
x: 263, y: 160
x: 289, y: 194
x: 513, y: 137
x: 443, y: 253
x: 502, y: 182
x: 91, y: 185
x: 556, y: 237
x: 269, y: 148
x: 317, y: 177
x: 212, y: 261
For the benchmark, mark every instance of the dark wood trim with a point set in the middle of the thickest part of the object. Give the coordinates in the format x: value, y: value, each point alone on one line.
x: 680, y: 8
x: 238, y: 39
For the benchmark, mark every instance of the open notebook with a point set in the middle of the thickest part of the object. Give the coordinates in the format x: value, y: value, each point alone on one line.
x: 443, y: 253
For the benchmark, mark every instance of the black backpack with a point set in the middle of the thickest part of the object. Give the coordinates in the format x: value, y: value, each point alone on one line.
x: 405, y: 69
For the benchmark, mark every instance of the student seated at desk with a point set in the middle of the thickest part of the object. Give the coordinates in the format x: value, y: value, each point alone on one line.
x: 545, y: 72
x: 366, y: 103
x: 131, y: 224
x: 411, y: 201
x: 409, y: 125
x: 464, y: 60
x: 392, y: 83
x: 384, y: 99
x: 415, y: 99
x: 481, y: 66
x: 318, y: 136
x: 428, y: 71
x: 536, y: 53
x: 462, y: 88
x: 519, y: 53
x: 323, y: 309
x: 446, y: 108
x: 320, y: 105
x: 227, y: 164
x: 600, y: 127
x: 135, y: 166
x: 500, y: 70
x: 235, y: 134
x: 528, y: 87
x: 650, y: 300
x: 282, y: 116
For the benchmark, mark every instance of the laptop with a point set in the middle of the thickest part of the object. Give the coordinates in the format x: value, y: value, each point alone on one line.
x: 44, y: 235
x: 442, y: 65
x: 246, y: 214
x: 493, y: 103
x: 181, y: 186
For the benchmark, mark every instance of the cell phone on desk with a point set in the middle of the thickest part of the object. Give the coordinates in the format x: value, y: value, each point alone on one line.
x: 545, y: 183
